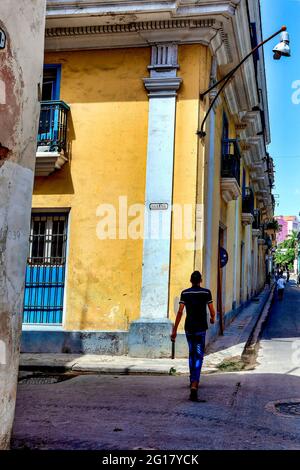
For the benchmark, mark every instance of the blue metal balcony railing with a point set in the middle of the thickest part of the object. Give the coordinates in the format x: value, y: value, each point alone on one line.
x: 231, y: 160
x: 248, y: 201
x: 53, y: 125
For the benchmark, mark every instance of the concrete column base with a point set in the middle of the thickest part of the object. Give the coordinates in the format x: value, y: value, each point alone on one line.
x: 150, y: 338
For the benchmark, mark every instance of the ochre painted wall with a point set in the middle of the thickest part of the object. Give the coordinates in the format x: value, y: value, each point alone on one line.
x: 108, y: 129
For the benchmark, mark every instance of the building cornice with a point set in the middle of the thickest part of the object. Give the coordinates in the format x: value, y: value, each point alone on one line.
x: 169, y: 8
x: 206, y: 31
x: 127, y: 27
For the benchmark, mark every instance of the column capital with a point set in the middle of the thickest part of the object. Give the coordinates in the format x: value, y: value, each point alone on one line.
x: 163, y: 81
x: 256, y: 233
x: 162, y: 87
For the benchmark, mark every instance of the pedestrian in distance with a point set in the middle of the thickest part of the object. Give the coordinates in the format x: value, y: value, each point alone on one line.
x: 280, y: 287
x: 268, y: 279
x: 287, y: 275
x: 195, y: 300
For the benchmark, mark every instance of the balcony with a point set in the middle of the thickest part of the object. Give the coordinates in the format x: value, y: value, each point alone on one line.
x: 248, y: 207
x: 230, y: 170
x: 52, y: 137
x: 256, y: 224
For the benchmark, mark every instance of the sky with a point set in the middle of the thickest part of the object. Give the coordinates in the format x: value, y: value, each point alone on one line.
x: 283, y: 81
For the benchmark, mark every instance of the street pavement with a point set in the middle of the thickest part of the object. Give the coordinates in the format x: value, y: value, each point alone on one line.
x: 224, y: 348
x: 256, y: 409
x: 280, y: 344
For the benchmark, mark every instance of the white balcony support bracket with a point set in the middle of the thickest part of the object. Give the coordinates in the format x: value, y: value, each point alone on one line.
x: 47, y: 162
x: 230, y: 189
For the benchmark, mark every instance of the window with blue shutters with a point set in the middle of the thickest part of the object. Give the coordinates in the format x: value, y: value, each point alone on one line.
x: 45, y: 271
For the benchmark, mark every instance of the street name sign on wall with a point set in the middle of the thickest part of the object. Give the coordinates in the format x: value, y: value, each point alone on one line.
x: 158, y: 206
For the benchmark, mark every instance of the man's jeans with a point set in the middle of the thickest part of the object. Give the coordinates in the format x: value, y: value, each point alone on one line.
x: 196, y: 342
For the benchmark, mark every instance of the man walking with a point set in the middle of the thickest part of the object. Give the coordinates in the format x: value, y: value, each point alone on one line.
x: 195, y: 301
x: 280, y: 287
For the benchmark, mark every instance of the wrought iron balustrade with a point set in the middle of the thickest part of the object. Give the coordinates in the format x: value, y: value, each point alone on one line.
x: 257, y: 222
x: 248, y: 201
x: 231, y: 160
x: 53, y: 125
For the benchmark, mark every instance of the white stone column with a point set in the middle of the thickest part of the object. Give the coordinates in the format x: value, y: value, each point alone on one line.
x: 22, y: 27
x: 149, y: 336
x: 208, y: 208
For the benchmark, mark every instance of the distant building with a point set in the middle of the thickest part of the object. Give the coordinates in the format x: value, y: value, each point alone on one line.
x: 289, y: 224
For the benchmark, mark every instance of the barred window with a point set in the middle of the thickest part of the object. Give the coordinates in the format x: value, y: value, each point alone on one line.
x: 45, y: 272
x: 48, y: 239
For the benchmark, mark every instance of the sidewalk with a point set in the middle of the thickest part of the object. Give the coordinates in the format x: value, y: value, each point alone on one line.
x: 224, y: 348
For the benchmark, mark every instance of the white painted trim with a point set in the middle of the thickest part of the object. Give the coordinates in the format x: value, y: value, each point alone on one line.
x: 41, y: 327
x: 209, y: 199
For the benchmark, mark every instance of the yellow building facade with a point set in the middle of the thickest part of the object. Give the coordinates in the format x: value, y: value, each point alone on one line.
x: 128, y: 199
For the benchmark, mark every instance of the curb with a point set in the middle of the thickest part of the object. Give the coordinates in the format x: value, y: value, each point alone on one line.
x: 251, y: 346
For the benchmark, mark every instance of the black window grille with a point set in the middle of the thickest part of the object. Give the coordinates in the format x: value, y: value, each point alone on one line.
x: 231, y: 160
x: 45, y: 272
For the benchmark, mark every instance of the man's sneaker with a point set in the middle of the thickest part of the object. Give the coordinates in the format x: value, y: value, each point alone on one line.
x: 194, y: 394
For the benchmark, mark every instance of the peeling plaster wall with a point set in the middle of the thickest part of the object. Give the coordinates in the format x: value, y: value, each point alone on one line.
x: 20, y: 73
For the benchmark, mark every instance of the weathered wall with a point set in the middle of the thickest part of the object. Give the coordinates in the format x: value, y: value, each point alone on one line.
x: 20, y: 73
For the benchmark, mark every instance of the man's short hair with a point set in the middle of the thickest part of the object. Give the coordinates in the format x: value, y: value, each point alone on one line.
x: 196, y: 277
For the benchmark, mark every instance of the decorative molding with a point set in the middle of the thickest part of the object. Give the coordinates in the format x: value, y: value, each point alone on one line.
x: 127, y: 28
x: 75, y: 9
x: 230, y: 189
x: 207, y: 31
x: 240, y: 127
x: 162, y: 87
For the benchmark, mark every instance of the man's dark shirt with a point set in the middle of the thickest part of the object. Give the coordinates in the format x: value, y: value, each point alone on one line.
x: 195, y: 300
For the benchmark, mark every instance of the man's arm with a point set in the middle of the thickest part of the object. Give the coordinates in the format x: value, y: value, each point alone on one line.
x: 177, y: 321
x: 212, y: 313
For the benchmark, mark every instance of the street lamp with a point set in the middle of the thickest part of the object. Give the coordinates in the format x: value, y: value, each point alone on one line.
x: 282, y: 49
